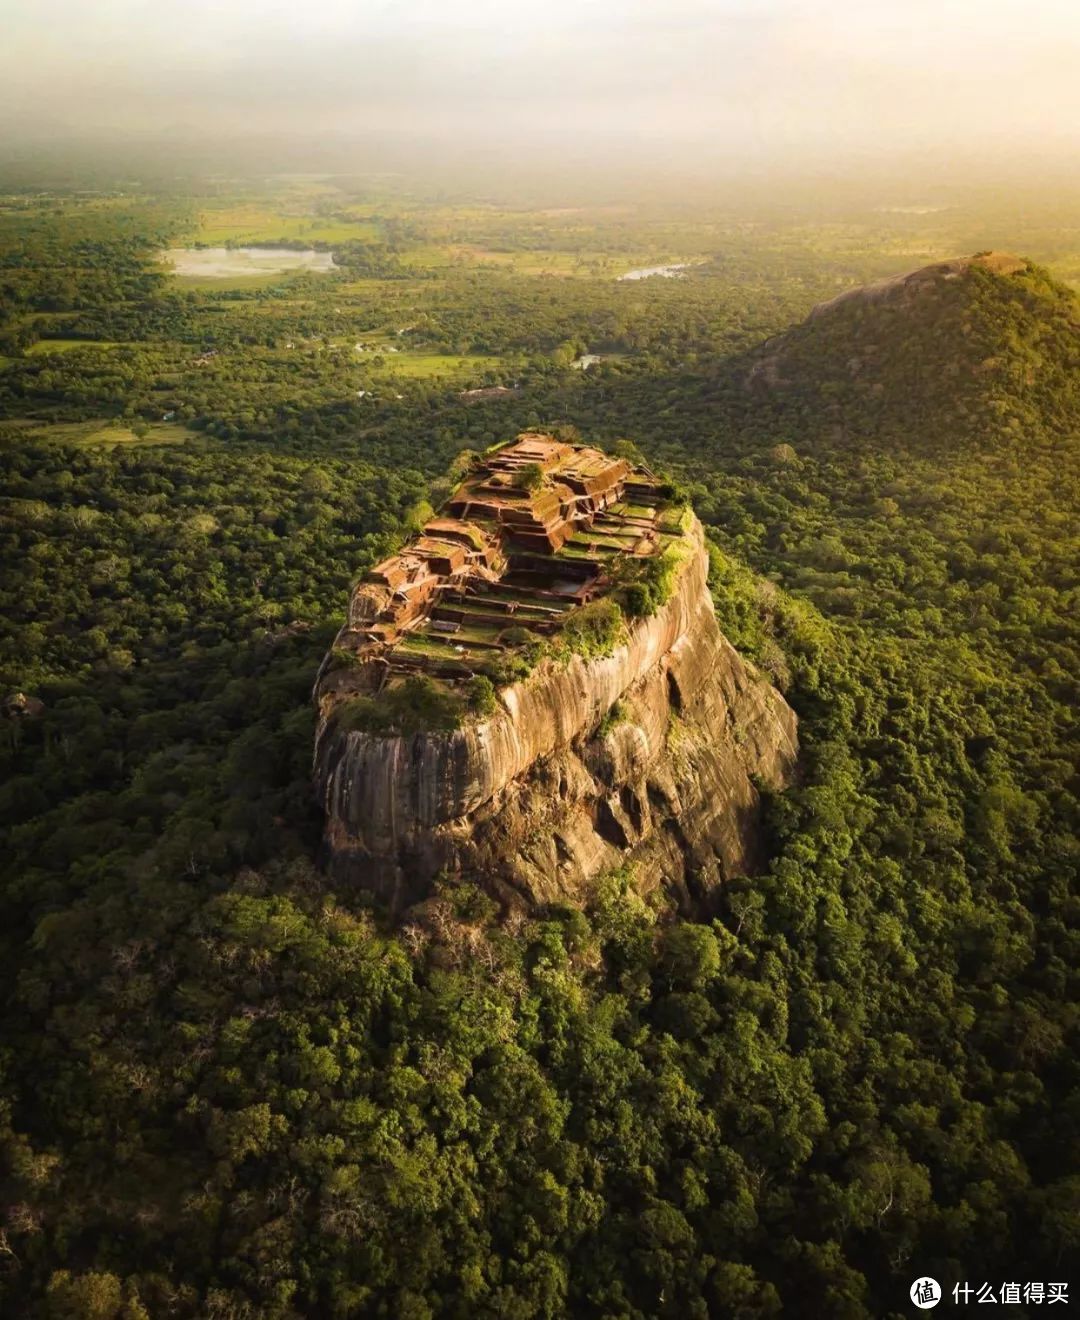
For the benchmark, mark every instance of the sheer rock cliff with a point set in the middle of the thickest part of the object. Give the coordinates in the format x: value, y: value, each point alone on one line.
x: 651, y: 755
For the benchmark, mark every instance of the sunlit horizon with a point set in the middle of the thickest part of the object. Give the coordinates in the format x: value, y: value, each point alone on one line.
x: 751, y: 83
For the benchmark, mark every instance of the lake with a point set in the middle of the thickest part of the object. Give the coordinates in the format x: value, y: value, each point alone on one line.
x: 668, y: 272
x: 226, y: 263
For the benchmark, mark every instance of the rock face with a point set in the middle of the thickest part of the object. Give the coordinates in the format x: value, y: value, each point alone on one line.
x: 918, y: 283
x: 649, y: 755
x: 915, y: 342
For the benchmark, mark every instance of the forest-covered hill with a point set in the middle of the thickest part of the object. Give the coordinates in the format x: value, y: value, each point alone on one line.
x: 229, y: 1092
x: 993, y: 342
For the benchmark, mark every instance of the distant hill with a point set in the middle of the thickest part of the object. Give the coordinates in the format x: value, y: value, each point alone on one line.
x: 922, y: 282
x: 978, y: 346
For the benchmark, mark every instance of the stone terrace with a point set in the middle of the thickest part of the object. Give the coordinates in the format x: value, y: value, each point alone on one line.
x: 531, y: 532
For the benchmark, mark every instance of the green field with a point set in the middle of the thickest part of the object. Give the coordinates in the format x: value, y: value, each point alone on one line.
x: 257, y: 223
x: 45, y: 347
x: 431, y: 365
x: 97, y: 433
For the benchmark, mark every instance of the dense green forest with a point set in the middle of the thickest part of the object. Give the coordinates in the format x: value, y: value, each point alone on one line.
x: 226, y: 1091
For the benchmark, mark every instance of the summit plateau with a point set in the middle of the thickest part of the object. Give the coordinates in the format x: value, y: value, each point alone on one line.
x: 534, y: 691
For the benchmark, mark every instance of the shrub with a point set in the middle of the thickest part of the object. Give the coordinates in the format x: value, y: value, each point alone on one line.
x: 340, y: 658
x: 508, y: 666
x: 594, y: 629
x: 616, y: 715
x: 531, y: 477
x: 628, y: 450
x: 480, y: 695
x: 676, y: 519
x: 637, y: 600
x: 652, y: 582
x: 419, y: 705
x: 527, y: 650
x: 464, y: 463
x: 517, y: 635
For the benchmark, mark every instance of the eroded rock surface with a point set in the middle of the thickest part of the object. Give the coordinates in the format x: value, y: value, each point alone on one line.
x: 648, y: 755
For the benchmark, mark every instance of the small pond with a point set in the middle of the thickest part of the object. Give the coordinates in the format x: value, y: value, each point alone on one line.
x: 646, y: 272
x: 228, y: 263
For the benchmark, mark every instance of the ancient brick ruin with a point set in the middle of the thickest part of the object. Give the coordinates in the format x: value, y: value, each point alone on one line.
x: 533, y: 530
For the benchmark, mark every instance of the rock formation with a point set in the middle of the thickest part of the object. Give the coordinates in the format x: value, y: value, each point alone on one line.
x: 18, y: 706
x: 906, y: 333
x: 649, y: 750
x: 916, y: 284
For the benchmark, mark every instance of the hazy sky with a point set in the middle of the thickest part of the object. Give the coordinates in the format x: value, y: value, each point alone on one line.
x: 758, y: 76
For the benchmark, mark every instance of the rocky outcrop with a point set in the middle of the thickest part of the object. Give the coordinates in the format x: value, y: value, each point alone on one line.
x: 18, y: 706
x: 913, y: 343
x: 652, y: 755
x: 916, y: 284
